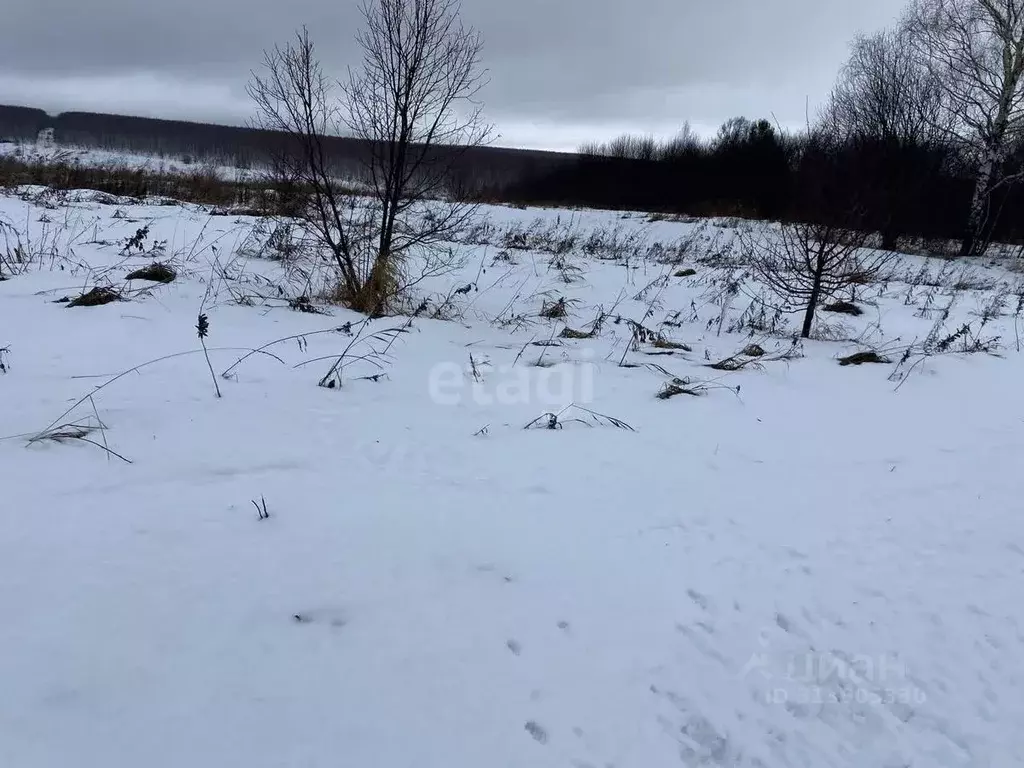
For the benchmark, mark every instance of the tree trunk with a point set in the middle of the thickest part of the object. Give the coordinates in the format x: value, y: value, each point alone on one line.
x: 808, y: 321
x: 979, y: 201
x: 890, y: 239
x: 812, y: 302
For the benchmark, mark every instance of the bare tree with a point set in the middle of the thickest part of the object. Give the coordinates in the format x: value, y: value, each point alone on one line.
x: 975, y: 49
x: 685, y: 143
x: 805, y: 265
x: 296, y: 100
x: 645, y: 147
x: 625, y: 147
x: 884, y: 92
x: 413, y: 103
x: 735, y: 130
x: 887, y: 108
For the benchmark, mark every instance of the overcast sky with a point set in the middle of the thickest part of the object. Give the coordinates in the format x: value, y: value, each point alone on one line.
x: 561, y: 71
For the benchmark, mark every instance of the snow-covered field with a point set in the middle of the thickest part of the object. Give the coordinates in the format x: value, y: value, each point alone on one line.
x: 800, y: 564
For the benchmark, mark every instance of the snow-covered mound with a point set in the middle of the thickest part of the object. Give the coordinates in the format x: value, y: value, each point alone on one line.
x: 485, y: 540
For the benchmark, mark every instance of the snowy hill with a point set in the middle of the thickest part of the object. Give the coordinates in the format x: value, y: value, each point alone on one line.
x: 780, y: 561
x: 46, y: 151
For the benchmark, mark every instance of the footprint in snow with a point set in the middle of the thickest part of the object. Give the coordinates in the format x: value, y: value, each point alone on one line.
x: 537, y: 732
x: 794, y: 553
x: 331, y: 617
x: 783, y: 623
x: 491, y: 568
x: 701, y: 641
x: 701, y: 600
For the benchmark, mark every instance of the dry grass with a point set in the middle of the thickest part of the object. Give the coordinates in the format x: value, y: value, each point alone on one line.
x: 157, y: 272
x: 754, y: 356
x: 860, y: 358
x: 555, y: 310
x: 96, y: 297
x: 660, y: 342
x: 585, y: 417
x: 843, y: 308
x: 82, y: 431
x: 693, y: 387
x: 753, y: 350
x: 678, y: 387
x: 569, y: 333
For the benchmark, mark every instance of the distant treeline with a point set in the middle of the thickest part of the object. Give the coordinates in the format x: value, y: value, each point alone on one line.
x: 750, y: 169
x: 22, y: 123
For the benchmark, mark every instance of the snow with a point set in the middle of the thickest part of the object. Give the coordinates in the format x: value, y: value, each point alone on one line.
x: 822, y: 568
x: 94, y: 157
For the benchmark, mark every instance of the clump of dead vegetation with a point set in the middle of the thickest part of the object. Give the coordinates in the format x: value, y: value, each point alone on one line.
x: 82, y: 430
x: 596, y: 326
x: 570, y: 333
x: 157, y: 272
x: 640, y: 336
x: 754, y: 356
x: 663, y: 343
x: 843, y: 308
x: 557, y: 308
x: 863, y: 358
x: 94, y: 297
x: 691, y: 387
x: 580, y: 415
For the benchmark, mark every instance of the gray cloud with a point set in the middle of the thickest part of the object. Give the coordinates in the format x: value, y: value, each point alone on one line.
x: 561, y: 71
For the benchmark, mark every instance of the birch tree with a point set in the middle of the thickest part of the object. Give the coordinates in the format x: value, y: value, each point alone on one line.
x: 975, y: 50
